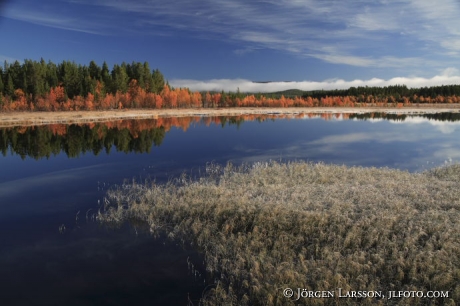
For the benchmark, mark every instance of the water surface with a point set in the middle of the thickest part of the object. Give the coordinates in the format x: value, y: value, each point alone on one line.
x: 54, y: 177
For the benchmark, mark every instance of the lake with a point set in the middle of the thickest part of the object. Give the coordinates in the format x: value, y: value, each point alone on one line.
x: 53, y: 180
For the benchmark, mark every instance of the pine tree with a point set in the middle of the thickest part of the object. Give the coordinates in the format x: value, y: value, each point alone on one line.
x: 120, y: 79
x: 2, y: 86
x: 9, y: 88
x: 51, y: 76
x: 95, y: 71
x: 148, y: 78
x: 70, y: 77
x: 106, y: 78
x: 158, y: 81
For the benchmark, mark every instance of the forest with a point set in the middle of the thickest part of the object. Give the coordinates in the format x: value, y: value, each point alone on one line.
x: 68, y: 86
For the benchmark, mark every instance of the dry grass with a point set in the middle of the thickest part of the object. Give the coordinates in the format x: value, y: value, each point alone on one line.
x: 268, y: 226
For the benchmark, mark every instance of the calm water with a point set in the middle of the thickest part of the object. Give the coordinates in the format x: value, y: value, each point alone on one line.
x: 53, y: 177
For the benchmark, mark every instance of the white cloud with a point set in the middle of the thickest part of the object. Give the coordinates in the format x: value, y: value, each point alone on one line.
x: 447, y: 77
x: 344, y: 59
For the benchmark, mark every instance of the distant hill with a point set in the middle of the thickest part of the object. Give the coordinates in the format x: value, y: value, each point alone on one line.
x: 290, y: 93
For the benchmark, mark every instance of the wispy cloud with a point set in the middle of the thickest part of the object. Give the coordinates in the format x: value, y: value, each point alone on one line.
x: 448, y: 76
x: 9, y: 59
x: 53, y: 20
x: 379, y: 34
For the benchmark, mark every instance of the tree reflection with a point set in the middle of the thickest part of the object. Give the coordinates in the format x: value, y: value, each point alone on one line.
x: 140, y: 135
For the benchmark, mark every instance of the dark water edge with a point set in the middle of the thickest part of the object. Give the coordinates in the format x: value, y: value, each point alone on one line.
x: 92, y: 265
x: 46, y: 185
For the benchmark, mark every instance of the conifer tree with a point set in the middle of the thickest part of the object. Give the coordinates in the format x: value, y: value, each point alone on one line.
x: 158, y: 81
x: 9, y: 87
x: 2, y: 86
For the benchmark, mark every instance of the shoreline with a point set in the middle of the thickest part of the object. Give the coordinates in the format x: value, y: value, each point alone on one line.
x: 42, y: 118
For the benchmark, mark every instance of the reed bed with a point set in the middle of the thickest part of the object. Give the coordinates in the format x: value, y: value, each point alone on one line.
x: 269, y: 226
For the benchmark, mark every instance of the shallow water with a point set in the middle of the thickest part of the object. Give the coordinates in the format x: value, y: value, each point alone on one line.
x: 51, y: 179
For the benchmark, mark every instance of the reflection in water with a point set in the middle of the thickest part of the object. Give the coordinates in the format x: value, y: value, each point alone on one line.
x: 87, y: 265
x: 378, y: 115
x: 43, y: 141
x: 450, y: 117
x: 140, y: 135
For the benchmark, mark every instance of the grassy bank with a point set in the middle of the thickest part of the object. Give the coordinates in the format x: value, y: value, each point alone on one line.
x: 270, y: 226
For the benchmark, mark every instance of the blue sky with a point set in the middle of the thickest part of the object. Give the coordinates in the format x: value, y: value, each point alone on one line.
x: 226, y: 44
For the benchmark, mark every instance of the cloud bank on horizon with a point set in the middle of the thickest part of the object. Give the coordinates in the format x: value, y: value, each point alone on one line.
x: 448, y: 77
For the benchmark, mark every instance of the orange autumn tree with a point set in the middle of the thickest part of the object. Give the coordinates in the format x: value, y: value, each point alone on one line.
x: 183, y: 98
x: 137, y: 94
x: 20, y: 102
x: 169, y: 97
x: 108, y: 102
x: 158, y: 101
x: 215, y: 99
x: 195, y: 99
x: 207, y: 99
x: 89, y: 102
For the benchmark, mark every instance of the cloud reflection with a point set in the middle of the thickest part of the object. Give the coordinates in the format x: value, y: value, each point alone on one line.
x: 445, y: 127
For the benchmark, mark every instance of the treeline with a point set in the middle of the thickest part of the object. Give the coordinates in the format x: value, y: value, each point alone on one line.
x: 36, y: 79
x: 397, y: 91
x: 45, y: 86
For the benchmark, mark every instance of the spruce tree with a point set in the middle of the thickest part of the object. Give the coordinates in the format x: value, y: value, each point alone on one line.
x: 158, y: 81
x: 2, y: 87
x: 9, y: 88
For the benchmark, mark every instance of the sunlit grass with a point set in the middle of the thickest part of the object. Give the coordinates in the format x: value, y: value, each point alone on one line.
x: 268, y: 226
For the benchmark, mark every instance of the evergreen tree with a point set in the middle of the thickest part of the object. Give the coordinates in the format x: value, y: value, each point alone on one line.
x: 35, y: 78
x: 106, y: 78
x: 2, y: 86
x: 148, y: 78
x: 223, y: 97
x: 136, y: 71
x: 51, y: 75
x: 17, y: 75
x: 120, y: 79
x: 95, y: 71
x: 70, y: 78
x: 9, y: 88
x: 158, y: 81
x: 88, y: 84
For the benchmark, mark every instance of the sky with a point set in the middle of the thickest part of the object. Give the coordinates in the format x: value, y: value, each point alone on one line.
x: 230, y: 44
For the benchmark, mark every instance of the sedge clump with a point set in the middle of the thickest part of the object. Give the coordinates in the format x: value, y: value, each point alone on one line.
x: 269, y: 226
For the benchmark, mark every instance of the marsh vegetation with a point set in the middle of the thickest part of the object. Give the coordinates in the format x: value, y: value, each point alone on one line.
x: 267, y: 226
